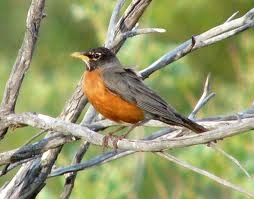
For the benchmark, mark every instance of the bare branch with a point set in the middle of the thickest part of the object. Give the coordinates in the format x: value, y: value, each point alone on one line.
x: 24, y: 57
x: 113, y: 21
x: 106, y: 157
x: 71, y: 177
x: 30, y: 179
x: 206, y: 96
x: 128, y: 21
x: 230, y: 157
x: 34, y: 149
x: 9, y: 166
x: 207, y: 38
x: 206, y: 173
x: 46, y: 122
x: 135, y: 32
x: 89, y: 116
x: 232, y: 17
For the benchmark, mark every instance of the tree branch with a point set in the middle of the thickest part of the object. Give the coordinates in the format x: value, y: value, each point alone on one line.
x: 206, y: 173
x: 45, y: 122
x: 127, y: 22
x: 209, y: 37
x: 24, y: 57
x: 30, y: 179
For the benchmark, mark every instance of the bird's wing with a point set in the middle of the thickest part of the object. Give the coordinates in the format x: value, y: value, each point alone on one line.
x: 130, y: 87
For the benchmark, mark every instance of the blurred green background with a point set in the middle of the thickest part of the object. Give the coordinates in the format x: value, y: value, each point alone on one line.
x: 78, y: 25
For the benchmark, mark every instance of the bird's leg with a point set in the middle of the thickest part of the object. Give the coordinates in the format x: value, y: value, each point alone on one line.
x: 117, y: 138
x: 112, y: 135
x: 134, y: 126
x: 118, y: 129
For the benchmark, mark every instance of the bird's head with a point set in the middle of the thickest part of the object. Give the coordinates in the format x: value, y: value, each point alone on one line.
x: 96, y: 57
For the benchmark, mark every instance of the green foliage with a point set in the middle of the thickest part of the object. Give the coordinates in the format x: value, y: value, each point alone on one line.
x: 52, y: 77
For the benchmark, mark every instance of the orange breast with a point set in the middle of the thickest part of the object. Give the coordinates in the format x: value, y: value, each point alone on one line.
x: 107, y: 103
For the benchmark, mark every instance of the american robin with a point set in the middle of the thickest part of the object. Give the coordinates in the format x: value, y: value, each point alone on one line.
x: 119, y: 94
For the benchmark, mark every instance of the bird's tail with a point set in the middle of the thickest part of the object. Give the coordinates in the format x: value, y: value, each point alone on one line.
x: 183, y: 121
x: 197, y: 128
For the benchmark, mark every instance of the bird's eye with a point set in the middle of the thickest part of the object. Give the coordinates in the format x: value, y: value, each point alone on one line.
x: 97, y: 55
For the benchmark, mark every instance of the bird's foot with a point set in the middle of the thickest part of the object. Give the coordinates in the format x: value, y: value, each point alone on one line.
x: 15, y: 126
x: 114, y: 139
x: 209, y: 144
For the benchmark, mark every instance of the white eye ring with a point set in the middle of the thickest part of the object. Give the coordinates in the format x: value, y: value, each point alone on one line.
x: 97, y: 55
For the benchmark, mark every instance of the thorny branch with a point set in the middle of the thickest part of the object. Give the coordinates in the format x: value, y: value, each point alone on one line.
x: 42, y: 154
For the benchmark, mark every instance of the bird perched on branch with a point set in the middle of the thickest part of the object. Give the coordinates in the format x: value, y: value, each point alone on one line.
x: 119, y: 94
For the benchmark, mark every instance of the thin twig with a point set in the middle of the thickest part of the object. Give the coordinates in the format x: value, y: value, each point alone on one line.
x: 206, y: 96
x: 206, y: 173
x: 135, y: 32
x: 232, y: 17
x: 230, y: 157
x: 35, y: 136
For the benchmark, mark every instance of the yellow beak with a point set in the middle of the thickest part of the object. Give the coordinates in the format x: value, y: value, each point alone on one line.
x: 79, y: 55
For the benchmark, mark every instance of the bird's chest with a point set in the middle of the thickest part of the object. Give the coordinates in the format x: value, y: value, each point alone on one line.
x: 108, y: 103
x: 94, y: 88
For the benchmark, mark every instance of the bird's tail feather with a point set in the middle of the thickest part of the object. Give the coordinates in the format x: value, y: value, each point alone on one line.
x: 197, y: 128
x: 183, y: 121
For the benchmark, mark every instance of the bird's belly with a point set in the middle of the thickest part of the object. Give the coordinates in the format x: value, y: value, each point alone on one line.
x: 107, y: 103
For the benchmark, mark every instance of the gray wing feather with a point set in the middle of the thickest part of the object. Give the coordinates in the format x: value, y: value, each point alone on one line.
x: 130, y: 87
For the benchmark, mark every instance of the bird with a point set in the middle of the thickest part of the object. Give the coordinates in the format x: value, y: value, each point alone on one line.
x: 120, y: 94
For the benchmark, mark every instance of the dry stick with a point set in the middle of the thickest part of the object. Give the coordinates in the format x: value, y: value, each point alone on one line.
x: 31, y: 150
x: 207, y: 95
x: 197, y: 42
x: 34, y: 16
x: 106, y: 157
x: 71, y: 177
x: 110, y: 39
x: 58, y: 140
x: 205, y: 173
x: 113, y: 21
x: 69, y: 183
x: 10, y: 166
x: 202, y: 101
x: 35, y: 136
x: 135, y: 32
x: 232, y: 17
x: 46, y: 122
x: 209, y: 37
x: 214, y: 121
x: 231, y: 158
x: 27, y: 178
x: 72, y: 109
x: 128, y: 21
x: 21, y: 65
x: 87, y: 119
